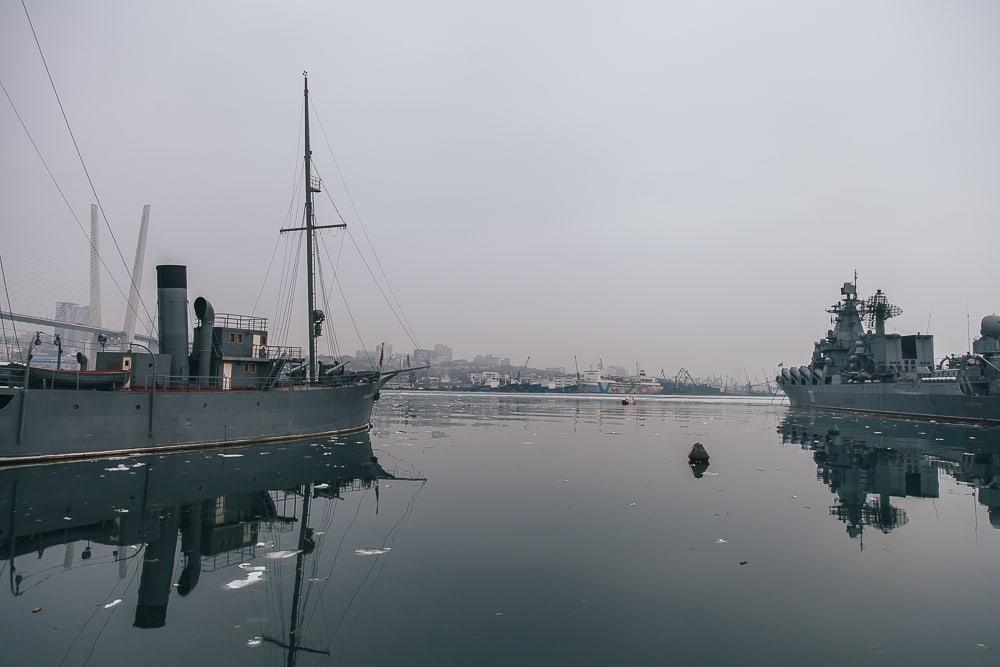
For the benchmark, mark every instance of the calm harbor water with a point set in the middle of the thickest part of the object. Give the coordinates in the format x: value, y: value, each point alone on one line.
x: 485, y: 529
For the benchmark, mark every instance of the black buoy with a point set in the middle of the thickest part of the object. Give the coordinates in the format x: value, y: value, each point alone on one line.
x: 698, y: 453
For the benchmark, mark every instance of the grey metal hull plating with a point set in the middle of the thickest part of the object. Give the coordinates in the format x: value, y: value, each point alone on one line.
x: 936, y: 401
x: 68, y: 423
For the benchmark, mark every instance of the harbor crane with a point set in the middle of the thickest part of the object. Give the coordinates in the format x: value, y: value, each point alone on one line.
x: 518, y: 379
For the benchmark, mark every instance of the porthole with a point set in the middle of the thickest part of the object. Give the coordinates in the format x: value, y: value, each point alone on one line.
x: 204, y: 405
x: 76, y: 406
x: 138, y: 407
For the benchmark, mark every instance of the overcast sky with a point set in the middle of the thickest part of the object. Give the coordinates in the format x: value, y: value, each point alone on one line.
x: 675, y: 183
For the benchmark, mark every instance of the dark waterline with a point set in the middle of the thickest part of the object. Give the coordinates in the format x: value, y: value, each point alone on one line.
x: 549, y: 530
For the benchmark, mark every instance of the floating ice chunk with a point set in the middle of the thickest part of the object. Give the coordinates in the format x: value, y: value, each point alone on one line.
x: 255, y: 641
x: 251, y: 568
x: 113, y: 603
x: 320, y: 487
x: 278, y: 555
x: 372, y: 551
x: 265, y: 545
x: 230, y: 456
x: 721, y: 541
x: 251, y: 578
x: 138, y: 465
x: 118, y: 468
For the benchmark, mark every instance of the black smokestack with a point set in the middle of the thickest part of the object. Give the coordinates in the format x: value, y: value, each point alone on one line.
x: 171, y: 296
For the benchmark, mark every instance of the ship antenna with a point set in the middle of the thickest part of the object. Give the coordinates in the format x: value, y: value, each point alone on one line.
x: 313, y: 185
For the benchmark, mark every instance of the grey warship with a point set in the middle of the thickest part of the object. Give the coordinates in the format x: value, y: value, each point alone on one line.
x: 226, y: 387
x: 871, y: 371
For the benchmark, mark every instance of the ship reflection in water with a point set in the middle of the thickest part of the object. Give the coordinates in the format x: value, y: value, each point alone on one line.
x: 245, y: 511
x: 868, y: 461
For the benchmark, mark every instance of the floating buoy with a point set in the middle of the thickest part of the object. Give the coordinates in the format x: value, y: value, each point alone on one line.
x: 698, y: 453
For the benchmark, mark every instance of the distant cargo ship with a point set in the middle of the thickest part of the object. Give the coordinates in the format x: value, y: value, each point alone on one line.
x: 872, y: 371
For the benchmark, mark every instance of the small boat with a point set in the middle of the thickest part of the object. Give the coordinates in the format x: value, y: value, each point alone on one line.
x: 13, y: 375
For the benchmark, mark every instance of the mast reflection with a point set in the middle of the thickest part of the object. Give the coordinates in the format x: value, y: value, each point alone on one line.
x: 212, y: 503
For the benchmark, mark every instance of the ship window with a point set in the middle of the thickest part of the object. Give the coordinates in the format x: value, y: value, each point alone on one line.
x: 235, y: 338
x: 249, y: 368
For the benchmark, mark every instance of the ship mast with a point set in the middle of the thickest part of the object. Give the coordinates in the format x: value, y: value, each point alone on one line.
x: 316, y: 317
x: 307, y: 159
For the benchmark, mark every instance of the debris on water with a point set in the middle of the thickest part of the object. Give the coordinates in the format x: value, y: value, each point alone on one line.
x: 277, y: 555
x: 698, y: 453
x: 499, y: 613
x: 251, y: 568
x: 265, y: 545
x: 372, y: 551
x: 632, y: 504
x: 36, y: 610
x: 251, y: 578
x: 230, y: 456
x: 255, y: 641
x: 320, y: 487
x: 118, y: 468
x: 744, y: 562
x: 722, y: 541
x: 113, y: 603
x: 318, y: 578
x: 138, y: 465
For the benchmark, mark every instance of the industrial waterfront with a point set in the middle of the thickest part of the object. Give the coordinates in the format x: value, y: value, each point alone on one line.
x: 487, y: 529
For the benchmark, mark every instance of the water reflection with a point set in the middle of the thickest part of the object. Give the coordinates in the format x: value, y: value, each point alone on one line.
x: 215, y: 504
x: 867, y: 461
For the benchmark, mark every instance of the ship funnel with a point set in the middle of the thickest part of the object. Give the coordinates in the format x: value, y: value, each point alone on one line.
x: 205, y: 313
x: 171, y: 297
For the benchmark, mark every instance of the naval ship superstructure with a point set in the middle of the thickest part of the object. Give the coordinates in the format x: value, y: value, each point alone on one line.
x: 229, y: 387
x: 871, y: 371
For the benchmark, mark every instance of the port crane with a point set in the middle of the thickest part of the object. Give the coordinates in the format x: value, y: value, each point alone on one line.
x: 518, y: 378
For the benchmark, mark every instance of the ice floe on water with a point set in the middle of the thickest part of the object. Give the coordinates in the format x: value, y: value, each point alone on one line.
x: 265, y: 545
x: 277, y: 555
x: 230, y: 456
x: 113, y: 603
x: 118, y: 468
x: 251, y: 568
x: 251, y: 578
x: 320, y: 487
x: 255, y: 641
x: 372, y: 551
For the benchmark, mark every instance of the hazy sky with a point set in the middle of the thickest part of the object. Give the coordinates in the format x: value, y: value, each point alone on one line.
x: 678, y: 183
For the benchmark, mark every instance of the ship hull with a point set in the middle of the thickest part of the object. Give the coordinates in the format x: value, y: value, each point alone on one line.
x: 938, y: 401
x: 58, y: 424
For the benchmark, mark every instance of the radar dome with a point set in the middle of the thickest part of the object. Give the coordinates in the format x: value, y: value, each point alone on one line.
x: 991, y: 326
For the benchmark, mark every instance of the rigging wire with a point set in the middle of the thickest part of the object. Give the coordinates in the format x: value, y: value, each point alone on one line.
x: 296, y: 174
x: 406, y: 330
x: 9, y: 310
x: 59, y: 189
x: 79, y: 154
x: 357, y: 214
x: 410, y: 335
x: 347, y: 307
x: 331, y: 343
